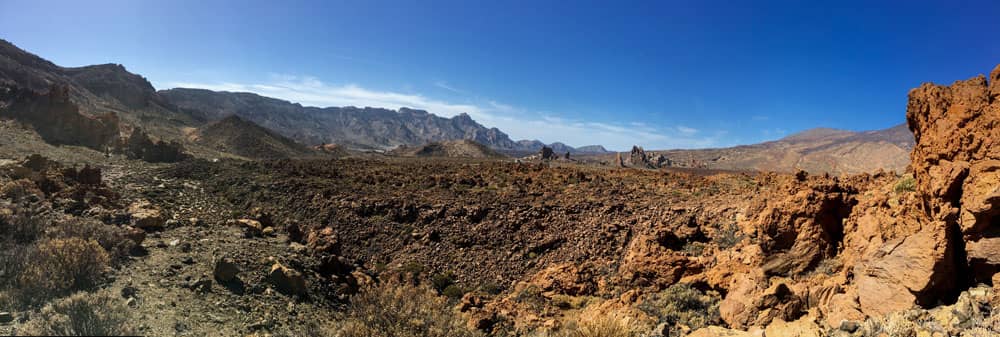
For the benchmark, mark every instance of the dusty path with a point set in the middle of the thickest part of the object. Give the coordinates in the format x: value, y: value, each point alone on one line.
x: 169, y: 283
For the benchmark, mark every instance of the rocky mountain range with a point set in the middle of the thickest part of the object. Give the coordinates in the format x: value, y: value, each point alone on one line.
x: 363, y: 128
x: 816, y: 150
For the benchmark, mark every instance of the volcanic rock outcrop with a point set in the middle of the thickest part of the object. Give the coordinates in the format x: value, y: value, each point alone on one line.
x: 57, y: 119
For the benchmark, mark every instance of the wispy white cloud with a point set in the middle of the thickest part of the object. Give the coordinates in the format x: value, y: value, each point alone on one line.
x: 517, y: 122
x: 444, y: 85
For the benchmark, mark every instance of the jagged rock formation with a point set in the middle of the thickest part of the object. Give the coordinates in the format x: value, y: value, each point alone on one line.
x: 883, y: 244
x: 57, y: 119
x: 547, y: 153
x: 139, y: 146
x: 638, y: 157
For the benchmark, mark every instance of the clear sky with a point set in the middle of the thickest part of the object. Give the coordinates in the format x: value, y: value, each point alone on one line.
x: 663, y: 74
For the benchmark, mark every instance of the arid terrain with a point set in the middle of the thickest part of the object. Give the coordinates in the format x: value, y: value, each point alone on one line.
x: 126, y: 211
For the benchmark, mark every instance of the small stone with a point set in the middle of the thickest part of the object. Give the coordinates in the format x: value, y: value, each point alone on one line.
x: 129, y: 291
x: 297, y: 247
x: 174, y: 242
x: 188, y: 260
x: 251, y: 227
x: 269, y: 231
x: 287, y: 280
x: 225, y: 270
x: 200, y: 285
x: 849, y: 326
x: 131, y: 302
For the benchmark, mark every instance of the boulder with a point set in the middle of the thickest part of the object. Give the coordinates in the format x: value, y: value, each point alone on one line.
x: 804, y: 327
x: 146, y: 216
x: 287, y: 280
x: 917, y: 269
x: 751, y: 302
x: 323, y: 241
x: 718, y: 331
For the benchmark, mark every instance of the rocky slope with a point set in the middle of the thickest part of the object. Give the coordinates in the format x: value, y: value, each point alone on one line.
x: 453, y: 148
x: 235, y: 136
x: 817, y: 151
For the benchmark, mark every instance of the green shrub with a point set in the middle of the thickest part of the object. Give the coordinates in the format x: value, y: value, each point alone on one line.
x: 906, y: 183
x: 453, y: 291
x: 442, y: 281
x: 82, y: 314
x: 727, y: 236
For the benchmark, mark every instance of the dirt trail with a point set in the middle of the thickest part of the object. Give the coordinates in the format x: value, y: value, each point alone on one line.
x: 168, y: 283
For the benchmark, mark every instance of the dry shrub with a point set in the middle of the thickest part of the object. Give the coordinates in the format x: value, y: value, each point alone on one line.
x: 17, y: 229
x: 400, y: 311
x: 682, y: 304
x: 81, y: 314
x: 18, y: 189
x: 60, y: 266
x: 113, y: 239
x: 605, y: 327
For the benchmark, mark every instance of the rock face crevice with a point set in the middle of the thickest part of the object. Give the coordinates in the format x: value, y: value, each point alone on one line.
x: 955, y: 164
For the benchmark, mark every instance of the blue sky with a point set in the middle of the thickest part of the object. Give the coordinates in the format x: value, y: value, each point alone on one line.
x: 662, y: 74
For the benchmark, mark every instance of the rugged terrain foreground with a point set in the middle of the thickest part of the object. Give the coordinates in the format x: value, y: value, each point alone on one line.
x: 204, y: 235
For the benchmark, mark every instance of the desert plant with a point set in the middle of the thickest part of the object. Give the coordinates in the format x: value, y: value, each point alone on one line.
x: 727, y: 236
x: 113, y: 239
x: 682, y: 304
x: 905, y: 184
x: 21, y: 228
x: 60, y: 266
x: 400, y: 310
x: 442, y: 281
x: 18, y: 189
x: 604, y: 327
x: 453, y: 291
x: 81, y: 314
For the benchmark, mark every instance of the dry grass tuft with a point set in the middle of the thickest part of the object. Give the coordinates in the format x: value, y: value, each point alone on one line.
x: 400, y: 311
x: 81, y: 314
x: 605, y: 327
x: 60, y: 266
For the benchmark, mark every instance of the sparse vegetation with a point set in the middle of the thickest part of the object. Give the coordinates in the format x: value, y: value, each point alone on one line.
x: 906, y: 183
x: 727, y: 236
x: 400, y: 311
x: 60, y: 266
x: 604, y: 327
x: 682, y: 304
x: 82, y: 314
